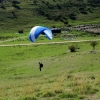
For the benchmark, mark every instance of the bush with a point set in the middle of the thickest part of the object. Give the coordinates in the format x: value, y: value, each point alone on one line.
x: 72, y: 48
x: 93, y: 44
x: 3, y: 7
x: 16, y: 6
x: 20, y: 31
x: 15, y: 2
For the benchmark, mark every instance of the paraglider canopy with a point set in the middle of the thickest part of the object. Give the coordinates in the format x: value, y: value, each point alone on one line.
x: 37, y: 30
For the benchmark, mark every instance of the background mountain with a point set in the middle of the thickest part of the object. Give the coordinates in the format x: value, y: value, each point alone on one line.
x: 24, y: 14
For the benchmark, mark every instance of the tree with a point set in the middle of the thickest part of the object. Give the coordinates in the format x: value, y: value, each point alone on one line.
x: 35, y: 2
x: 72, y: 16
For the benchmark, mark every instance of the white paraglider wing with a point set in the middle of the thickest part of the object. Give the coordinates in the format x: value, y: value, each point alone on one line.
x: 37, y: 30
x: 48, y: 34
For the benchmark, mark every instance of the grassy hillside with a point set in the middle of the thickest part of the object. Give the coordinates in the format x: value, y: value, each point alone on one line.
x: 25, y: 14
x: 65, y: 75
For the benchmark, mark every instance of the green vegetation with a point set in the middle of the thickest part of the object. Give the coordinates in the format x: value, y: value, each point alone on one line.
x: 73, y: 48
x: 65, y: 75
x: 18, y: 15
x: 93, y: 44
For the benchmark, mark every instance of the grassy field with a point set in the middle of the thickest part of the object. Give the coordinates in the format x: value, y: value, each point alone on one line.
x: 65, y: 75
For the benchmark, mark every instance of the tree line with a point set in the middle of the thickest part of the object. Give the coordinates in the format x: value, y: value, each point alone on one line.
x: 61, y: 10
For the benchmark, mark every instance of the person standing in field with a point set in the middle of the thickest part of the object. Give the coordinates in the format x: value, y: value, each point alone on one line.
x: 40, y: 65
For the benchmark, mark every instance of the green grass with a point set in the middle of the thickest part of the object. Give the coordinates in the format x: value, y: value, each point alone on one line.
x: 65, y: 75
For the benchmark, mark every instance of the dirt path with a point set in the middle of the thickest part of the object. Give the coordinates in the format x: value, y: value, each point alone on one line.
x: 28, y: 44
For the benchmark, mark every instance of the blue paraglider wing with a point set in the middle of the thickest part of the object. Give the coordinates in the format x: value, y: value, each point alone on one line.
x: 37, y: 30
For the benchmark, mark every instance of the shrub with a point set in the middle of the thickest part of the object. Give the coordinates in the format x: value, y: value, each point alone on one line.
x: 3, y: 7
x: 15, y: 2
x: 14, y: 15
x: 72, y: 48
x: 20, y: 31
x: 16, y: 6
x: 93, y: 44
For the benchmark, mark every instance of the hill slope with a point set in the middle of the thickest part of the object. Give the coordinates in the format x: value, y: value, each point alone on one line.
x: 24, y: 14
